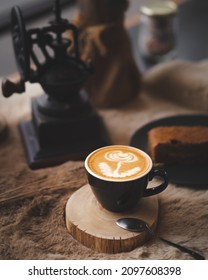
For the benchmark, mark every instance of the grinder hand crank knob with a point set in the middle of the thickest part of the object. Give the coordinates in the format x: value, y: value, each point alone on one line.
x: 9, y: 87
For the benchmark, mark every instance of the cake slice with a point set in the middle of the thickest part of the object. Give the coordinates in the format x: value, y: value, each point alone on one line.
x: 178, y: 144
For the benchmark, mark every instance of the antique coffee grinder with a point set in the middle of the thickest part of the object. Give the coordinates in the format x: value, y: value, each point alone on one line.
x: 64, y: 125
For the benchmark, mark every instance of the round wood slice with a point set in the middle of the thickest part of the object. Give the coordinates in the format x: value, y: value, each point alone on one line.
x: 93, y: 226
x: 3, y: 128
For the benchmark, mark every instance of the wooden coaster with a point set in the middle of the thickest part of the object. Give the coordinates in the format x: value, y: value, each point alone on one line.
x: 3, y: 128
x: 93, y: 226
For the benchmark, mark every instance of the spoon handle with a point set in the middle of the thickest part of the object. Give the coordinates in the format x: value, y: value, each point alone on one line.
x: 194, y: 254
x: 150, y: 231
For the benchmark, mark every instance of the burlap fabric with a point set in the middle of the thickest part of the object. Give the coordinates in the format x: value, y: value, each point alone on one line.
x: 116, y: 79
x: 32, y: 203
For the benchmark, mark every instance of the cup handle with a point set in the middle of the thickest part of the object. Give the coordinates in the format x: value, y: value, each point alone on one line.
x: 155, y: 190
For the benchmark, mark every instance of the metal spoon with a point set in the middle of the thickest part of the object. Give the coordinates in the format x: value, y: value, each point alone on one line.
x: 137, y: 225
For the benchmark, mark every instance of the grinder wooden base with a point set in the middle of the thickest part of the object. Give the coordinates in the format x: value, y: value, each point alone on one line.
x: 93, y: 226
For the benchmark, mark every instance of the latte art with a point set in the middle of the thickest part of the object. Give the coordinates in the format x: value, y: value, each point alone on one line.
x: 118, y: 163
x: 119, y: 157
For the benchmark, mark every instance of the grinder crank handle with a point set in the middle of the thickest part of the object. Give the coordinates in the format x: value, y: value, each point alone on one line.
x: 9, y: 87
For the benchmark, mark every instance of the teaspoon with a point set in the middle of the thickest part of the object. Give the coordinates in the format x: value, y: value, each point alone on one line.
x: 137, y: 225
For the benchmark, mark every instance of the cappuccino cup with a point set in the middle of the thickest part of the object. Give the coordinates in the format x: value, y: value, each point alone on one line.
x: 119, y: 175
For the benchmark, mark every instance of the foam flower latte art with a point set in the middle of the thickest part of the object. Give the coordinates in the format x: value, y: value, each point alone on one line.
x: 121, y: 158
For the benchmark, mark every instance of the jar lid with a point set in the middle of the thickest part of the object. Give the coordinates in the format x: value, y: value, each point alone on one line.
x: 159, y: 8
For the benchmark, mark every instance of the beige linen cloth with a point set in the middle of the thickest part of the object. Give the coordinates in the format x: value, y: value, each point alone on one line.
x: 32, y: 203
x: 180, y: 81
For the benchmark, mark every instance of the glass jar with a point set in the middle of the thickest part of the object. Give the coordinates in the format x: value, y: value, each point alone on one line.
x: 157, y: 32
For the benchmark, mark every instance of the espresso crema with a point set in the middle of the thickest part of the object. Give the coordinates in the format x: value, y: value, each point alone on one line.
x: 118, y: 163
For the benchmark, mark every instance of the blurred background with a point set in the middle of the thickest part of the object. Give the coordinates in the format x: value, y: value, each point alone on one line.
x: 36, y: 13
